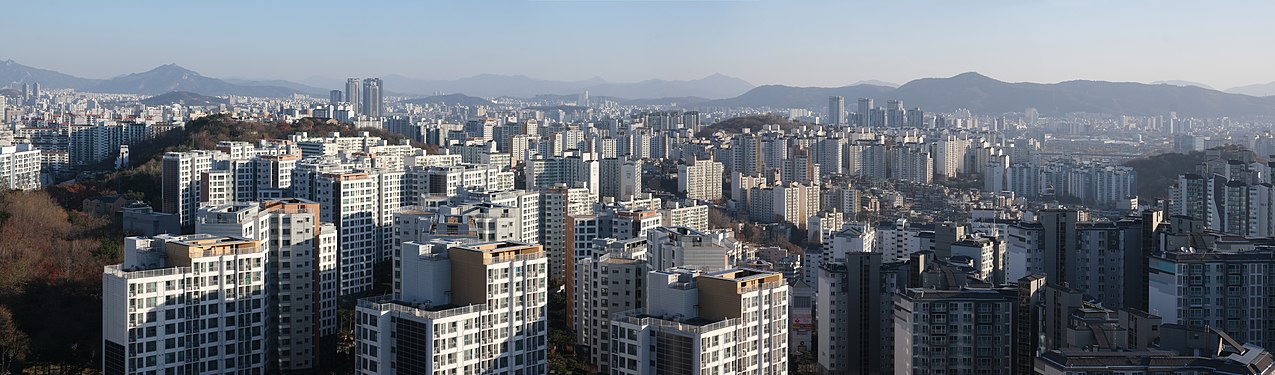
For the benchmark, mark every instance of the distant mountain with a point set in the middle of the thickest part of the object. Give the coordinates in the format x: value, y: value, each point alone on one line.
x: 982, y: 94
x: 875, y: 83
x: 171, y: 77
x: 14, y: 74
x: 1261, y: 89
x: 184, y: 98
x: 451, y: 99
x: 1183, y: 83
x: 714, y: 87
x: 681, y: 101
x: 298, y: 87
x: 491, y: 85
x: 780, y: 96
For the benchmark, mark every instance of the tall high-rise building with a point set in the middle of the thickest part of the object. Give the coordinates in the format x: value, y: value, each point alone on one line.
x: 583, y: 100
x: 611, y: 281
x: 19, y: 166
x: 691, y: 120
x: 1215, y: 287
x: 188, y: 304
x: 746, y: 155
x: 336, y: 97
x: 352, y: 94
x: 729, y: 322
x: 915, y: 118
x: 558, y: 206
x: 894, y: 114
x: 1058, y: 240
x: 34, y: 97
x: 181, y: 184
x: 849, y: 314
x: 301, y: 282
x: 702, y: 179
x: 865, y: 112
x: 836, y: 110
x: 349, y: 200
x: 465, y: 309
x: 619, y: 178
x: 975, y: 324
x: 373, y: 103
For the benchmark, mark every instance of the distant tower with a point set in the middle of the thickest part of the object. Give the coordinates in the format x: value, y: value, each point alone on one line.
x: 352, y: 93
x: 836, y: 110
x: 865, y: 111
x: 894, y: 113
x: 372, y: 106
x: 690, y: 120
x: 335, y: 96
x: 916, y: 118
x: 584, y: 99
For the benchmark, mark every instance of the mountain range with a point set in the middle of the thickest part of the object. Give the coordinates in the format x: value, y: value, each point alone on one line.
x: 715, y: 86
x: 972, y: 91
x: 982, y: 94
x: 1261, y: 89
x: 172, y: 77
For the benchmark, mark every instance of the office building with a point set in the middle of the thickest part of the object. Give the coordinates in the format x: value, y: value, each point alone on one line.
x: 336, y: 97
x: 894, y: 113
x: 836, y: 110
x: 373, y: 103
x: 472, y: 309
x: 864, y: 116
x: 352, y: 94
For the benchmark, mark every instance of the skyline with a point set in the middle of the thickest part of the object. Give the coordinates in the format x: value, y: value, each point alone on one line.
x: 629, y: 41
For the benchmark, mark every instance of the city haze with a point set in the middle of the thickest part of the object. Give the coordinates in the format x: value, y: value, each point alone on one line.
x: 799, y: 43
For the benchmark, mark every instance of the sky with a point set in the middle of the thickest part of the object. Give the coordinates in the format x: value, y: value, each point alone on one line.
x: 793, y: 42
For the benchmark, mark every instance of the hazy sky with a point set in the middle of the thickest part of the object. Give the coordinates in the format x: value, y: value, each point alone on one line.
x: 794, y: 42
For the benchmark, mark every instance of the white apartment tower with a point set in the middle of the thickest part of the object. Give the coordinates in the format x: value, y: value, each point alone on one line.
x: 476, y: 309
x: 558, y: 207
x: 611, y: 281
x: 702, y: 180
x: 187, y: 304
x: 349, y: 201
x: 729, y: 322
x: 301, y: 280
x: 19, y: 165
x: 181, y: 183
